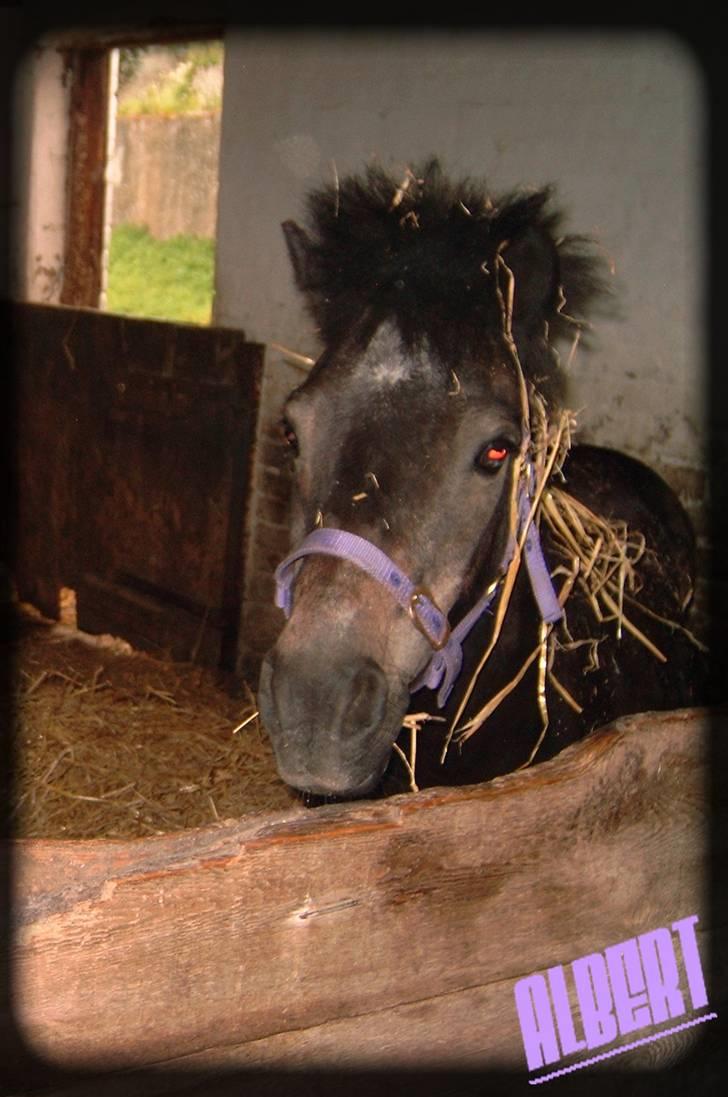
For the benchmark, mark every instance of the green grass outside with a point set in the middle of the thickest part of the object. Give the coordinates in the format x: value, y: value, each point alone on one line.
x: 161, y: 279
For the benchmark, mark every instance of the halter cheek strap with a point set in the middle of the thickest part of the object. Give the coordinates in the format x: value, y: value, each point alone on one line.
x: 447, y: 658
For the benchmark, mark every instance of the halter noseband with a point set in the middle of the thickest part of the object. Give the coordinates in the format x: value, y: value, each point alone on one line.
x: 447, y: 658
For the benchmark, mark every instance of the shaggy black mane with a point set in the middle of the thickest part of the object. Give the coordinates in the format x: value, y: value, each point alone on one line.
x: 422, y: 251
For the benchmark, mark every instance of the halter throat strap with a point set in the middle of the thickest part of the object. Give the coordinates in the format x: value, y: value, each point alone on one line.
x: 446, y: 662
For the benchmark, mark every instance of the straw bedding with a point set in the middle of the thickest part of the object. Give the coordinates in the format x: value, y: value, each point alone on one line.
x: 117, y: 744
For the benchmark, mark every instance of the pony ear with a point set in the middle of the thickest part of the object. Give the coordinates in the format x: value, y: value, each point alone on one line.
x: 533, y: 260
x: 299, y: 250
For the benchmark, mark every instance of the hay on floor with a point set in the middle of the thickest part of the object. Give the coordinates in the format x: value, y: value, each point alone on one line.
x: 117, y: 744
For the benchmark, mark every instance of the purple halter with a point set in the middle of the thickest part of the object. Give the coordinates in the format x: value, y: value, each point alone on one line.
x: 447, y: 658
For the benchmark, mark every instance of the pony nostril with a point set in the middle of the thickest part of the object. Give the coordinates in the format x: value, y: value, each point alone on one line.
x: 266, y: 699
x: 328, y: 721
x: 363, y: 708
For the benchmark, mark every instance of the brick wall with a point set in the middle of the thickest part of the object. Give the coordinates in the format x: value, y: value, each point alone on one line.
x: 268, y: 521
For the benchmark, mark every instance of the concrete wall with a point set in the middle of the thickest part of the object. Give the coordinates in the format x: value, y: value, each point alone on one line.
x: 164, y: 172
x: 616, y: 121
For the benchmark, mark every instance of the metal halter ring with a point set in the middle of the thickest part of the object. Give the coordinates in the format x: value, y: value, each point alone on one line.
x: 419, y: 596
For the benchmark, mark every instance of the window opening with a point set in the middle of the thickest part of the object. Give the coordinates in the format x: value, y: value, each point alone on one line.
x: 163, y: 142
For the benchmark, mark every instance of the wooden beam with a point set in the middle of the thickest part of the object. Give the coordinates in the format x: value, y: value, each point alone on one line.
x: 155, y: 32
x: 88, y: 125
x: 311, y: 938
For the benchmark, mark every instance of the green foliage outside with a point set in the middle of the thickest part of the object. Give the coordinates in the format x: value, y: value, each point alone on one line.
x: 161, y: 279
x: 177, y: 92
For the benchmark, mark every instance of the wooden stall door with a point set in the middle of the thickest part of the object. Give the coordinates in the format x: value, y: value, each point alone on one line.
x: 134, y: 447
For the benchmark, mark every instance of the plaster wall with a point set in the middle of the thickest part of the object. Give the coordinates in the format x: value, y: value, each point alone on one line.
x: 615, y: 121
x: 40, y: 162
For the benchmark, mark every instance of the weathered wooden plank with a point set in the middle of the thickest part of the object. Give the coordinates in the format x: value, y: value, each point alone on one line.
x: 185, y: 945
x: 44, y: 382
x: 445, y: 1039
x: 470, y: 1029
x: 134, y: 453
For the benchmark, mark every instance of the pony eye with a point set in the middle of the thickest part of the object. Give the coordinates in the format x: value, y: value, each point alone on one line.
x: 493, y: 456
x: 290, y: 438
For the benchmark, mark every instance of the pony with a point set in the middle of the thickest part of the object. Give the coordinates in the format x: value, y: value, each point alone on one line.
x: 469, y: 592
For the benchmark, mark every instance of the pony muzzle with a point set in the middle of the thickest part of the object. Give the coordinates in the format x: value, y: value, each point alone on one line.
x: 330, y: 722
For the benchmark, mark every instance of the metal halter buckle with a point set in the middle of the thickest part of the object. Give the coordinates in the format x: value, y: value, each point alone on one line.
x: 420, y: 594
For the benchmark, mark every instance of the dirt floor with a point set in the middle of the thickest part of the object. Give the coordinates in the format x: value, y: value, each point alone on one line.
x: 114, y: 743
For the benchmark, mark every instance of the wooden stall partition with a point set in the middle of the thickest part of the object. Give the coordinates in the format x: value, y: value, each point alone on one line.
x: 368, y: 934
x: 135, y: 443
